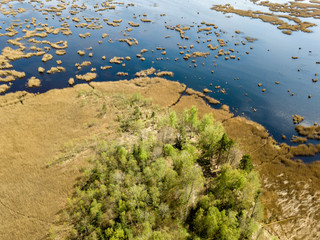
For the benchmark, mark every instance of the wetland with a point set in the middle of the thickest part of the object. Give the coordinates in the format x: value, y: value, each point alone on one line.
x: 224, y: 48
x: 253, y: 64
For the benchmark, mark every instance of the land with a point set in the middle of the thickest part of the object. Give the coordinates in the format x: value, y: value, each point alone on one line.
x: 37, y: 130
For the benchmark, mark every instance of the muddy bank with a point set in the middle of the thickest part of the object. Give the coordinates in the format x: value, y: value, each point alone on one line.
x: 36, y: 127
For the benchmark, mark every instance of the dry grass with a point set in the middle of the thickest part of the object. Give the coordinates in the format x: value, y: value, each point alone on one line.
x: 291, y: 188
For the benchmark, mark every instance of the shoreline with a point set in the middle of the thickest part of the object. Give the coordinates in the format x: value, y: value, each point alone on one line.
x: 57, y: 117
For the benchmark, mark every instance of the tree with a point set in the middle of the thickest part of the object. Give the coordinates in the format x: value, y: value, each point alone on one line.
x: 191, y: 117
x: 209, y: 138
x: 173, y: 120
x: 181, y: 138
x: 211, y: 223
x: 224, y: 146
x: 228, y: 186
x: 246, y: 163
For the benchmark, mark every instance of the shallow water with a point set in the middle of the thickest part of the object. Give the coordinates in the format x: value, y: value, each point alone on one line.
x: 268, y: 61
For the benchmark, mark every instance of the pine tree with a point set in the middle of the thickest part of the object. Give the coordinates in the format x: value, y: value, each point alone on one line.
x: 246, y: 163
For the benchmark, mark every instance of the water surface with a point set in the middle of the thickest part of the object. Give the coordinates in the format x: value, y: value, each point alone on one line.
x: 268, y: 59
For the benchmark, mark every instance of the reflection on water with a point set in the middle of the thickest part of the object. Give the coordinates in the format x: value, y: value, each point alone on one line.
x: 265, y: 61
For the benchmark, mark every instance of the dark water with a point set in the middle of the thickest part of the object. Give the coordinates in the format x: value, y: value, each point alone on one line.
x: 269, y: 59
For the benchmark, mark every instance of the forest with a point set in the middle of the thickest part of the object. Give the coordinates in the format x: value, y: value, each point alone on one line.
x: 181, y: 178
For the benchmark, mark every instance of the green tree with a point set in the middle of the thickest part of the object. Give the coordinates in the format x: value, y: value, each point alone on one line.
x: 209, y: 137
x: 211, y: 223
x: 173, y: 120
x: 246, y: 163
x: 224, y: 145
x: 191, y: 117
x: 207, y: 120
x: 227, y: 187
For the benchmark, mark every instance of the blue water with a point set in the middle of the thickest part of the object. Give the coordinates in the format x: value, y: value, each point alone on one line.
x: 269, y: 59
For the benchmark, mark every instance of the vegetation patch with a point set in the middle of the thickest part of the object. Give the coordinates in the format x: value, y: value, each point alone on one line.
x: 176, y: 177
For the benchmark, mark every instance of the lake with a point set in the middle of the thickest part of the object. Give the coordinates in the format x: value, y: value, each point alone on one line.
x: 265, y: 58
